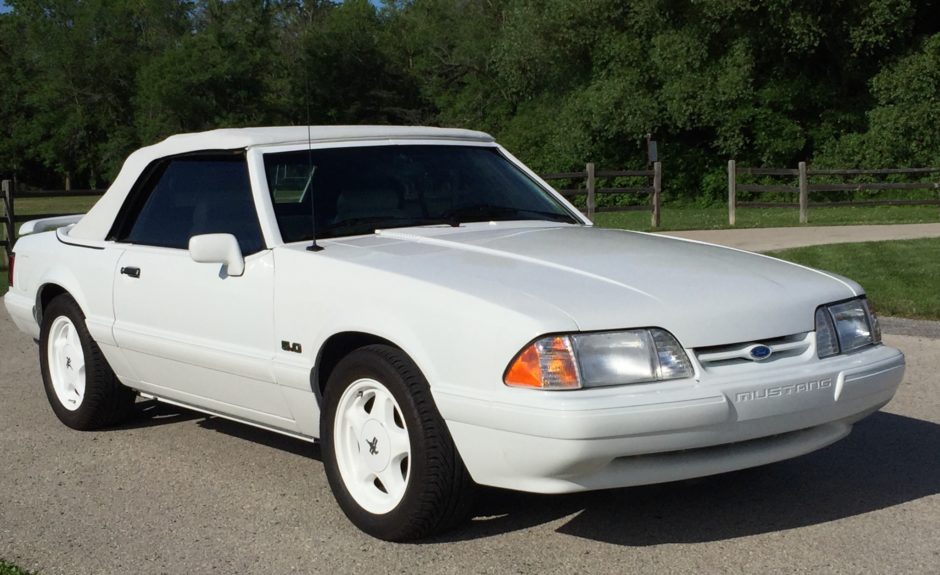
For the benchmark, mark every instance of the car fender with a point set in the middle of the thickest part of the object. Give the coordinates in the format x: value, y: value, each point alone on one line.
x: 403, y: 337
x: 60, y: 276
x: 85, y: 273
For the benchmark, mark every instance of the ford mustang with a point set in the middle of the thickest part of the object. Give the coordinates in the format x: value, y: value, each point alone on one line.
x: 437, y: 317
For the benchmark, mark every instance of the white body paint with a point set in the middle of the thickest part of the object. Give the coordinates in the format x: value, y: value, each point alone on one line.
x: 462, y: 302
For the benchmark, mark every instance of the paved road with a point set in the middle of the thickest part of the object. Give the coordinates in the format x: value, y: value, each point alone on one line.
x: 176, y: 492
x: 766, y: 239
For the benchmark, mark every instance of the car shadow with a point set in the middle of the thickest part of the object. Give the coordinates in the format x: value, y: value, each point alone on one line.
x: 887, y: 460
x: 151, y: 413
x: 261, y: 436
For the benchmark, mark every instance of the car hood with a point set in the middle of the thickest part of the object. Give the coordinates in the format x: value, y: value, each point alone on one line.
x: 612, y: 279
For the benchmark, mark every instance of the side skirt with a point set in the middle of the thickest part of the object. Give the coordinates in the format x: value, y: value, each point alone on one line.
x: 306, y: 438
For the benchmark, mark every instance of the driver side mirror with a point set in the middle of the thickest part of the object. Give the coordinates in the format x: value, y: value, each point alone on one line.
x: 218, y: 249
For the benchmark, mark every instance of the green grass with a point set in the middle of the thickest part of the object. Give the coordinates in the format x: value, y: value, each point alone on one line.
x: 54, y: 205
x: 11, y: 569
x: 902, y: 277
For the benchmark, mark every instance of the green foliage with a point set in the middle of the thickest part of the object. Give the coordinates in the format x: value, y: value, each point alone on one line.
x: 902, y: 126
x: 768, y: 82
x: 9, y: 568
x: 214, y: 76
x: 350, y: 77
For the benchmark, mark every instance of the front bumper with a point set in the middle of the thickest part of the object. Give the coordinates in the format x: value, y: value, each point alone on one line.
x: 556, y: 442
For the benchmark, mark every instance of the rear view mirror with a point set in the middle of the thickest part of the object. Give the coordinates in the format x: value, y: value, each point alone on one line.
x: 218, y: 249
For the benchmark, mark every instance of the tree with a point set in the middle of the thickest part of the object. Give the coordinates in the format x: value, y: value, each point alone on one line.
x: 347, y: 74
x: 767, y: 82
x: 902, y: 126
x: 216, y: 75
x: 82, y: 59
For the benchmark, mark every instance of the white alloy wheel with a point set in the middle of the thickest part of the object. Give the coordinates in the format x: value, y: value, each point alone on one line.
x: 387, y: 453
x: 373, y: 450
x: 66, y: 363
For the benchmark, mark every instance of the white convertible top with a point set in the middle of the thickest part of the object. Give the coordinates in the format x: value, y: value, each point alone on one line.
x: 97, y: 222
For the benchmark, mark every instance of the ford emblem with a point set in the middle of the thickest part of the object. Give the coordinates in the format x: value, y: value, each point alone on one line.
x: 760, y: 352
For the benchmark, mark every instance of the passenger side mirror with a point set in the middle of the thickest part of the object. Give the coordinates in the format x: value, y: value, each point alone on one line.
x: 218, y: 249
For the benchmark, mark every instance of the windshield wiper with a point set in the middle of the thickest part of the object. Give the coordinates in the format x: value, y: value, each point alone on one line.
x: 452, y: 218
x: 484, y: 212
x: 553, y: 216
x: 380, y: 222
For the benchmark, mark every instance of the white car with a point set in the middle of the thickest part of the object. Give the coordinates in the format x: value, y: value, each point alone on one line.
x: 439, y: 317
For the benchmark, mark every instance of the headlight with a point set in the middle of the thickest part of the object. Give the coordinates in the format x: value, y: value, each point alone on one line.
x: 846, y: 326
x: 599, y: 359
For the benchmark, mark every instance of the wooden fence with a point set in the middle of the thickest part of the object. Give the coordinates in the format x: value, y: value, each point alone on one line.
x: 7, y: 232
x: 10, y: 217
x: 590, y: 176
x: 804, y: 187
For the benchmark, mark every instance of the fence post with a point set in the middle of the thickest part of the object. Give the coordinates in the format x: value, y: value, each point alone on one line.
x: 732, y: 191
x: 7, y: 188
x: 657, y: 193
x: 590, y: 191
x: 804, y: 194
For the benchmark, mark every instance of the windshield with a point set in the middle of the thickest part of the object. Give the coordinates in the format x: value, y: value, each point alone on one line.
x: 361, y: 189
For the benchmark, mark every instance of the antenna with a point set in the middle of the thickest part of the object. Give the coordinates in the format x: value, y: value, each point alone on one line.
x: 308, y: 189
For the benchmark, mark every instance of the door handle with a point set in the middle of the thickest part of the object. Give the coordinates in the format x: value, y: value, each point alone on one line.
x: 131, y: 271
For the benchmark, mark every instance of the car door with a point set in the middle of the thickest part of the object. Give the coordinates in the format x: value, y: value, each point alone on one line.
x: 193, y: 333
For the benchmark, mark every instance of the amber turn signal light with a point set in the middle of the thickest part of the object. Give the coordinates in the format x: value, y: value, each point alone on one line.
x: 548, y: 363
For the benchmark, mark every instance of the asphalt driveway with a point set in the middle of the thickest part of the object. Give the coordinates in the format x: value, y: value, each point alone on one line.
x: 177, y: 492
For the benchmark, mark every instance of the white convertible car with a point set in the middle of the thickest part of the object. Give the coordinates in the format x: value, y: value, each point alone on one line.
x: 437, y: 317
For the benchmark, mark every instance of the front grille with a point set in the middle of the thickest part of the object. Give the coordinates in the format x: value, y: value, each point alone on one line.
x: 788, y: 346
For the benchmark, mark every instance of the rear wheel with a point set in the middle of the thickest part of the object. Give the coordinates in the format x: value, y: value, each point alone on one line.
x: 83, y: 391
x: 389, y: 458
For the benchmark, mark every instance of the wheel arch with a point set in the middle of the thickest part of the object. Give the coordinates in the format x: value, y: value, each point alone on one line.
x: 47, y: 292
x: 334, y: 349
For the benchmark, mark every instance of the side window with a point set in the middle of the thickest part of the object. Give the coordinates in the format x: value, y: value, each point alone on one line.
x: 194, y: 195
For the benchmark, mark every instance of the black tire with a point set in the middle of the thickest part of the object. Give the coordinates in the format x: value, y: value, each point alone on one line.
x: 106, y: 401
x: 439, y: 491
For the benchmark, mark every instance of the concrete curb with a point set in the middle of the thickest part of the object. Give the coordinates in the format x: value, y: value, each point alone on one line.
x: 769, y: 239
x: 912, y: 327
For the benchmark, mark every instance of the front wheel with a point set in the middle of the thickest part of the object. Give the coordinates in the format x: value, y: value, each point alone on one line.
x: 389, y: 458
